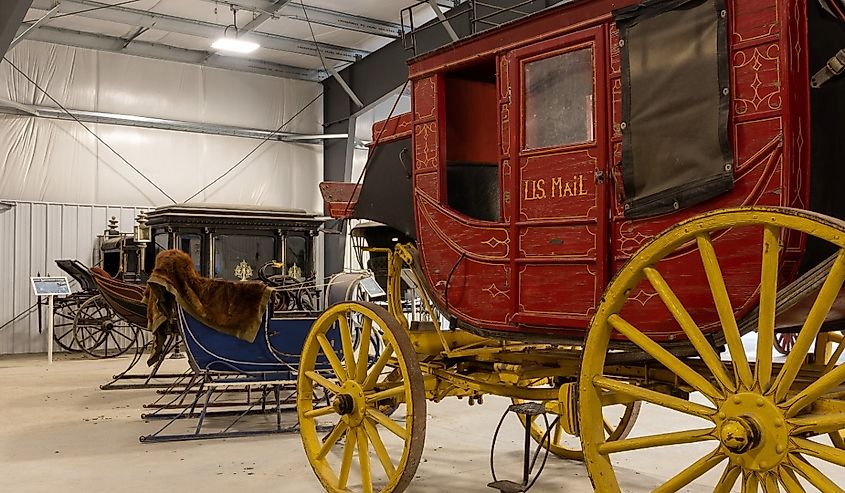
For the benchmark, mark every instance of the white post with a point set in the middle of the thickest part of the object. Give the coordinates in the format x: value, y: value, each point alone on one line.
x: 50, y: 329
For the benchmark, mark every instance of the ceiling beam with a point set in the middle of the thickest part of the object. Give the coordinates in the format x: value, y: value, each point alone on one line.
x: 40, y: 111
x: 192, y: 27
x: 319, y: 15
x: 160, y: 51
x: 264, y: 16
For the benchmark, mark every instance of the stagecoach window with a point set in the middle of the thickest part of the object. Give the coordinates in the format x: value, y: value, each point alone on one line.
x: 239, y: 257
x: 297, y: 262
x: 191, y: 243
x: 559, y: 100
x: 472, y: 154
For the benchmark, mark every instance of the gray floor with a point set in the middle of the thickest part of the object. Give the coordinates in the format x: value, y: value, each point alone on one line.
x: 59, y: 433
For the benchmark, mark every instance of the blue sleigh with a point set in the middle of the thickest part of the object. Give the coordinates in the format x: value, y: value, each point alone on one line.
x: 223, y: 364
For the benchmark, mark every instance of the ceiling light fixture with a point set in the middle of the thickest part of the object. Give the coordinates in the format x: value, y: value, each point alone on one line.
x: 233, y: 43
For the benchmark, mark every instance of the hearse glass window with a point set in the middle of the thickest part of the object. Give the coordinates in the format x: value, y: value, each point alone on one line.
x: 559, y: 100
x: 297, y: 262
x: 238, y: 257
x: 191, y: 243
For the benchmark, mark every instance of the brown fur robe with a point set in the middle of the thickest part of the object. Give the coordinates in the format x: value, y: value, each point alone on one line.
x: 233, y: 308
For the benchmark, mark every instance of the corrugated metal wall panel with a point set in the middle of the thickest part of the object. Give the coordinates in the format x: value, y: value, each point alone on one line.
x: 32, y: 236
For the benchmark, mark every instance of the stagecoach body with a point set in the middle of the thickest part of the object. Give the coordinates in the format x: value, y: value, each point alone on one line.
x: 544, y: 154
x: 602, y: 199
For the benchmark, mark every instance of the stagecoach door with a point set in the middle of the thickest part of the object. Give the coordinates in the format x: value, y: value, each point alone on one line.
x: 558, y: 215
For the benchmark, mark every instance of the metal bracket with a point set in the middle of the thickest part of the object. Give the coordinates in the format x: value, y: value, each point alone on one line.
x: 446, y: 24
x: 833, y: 67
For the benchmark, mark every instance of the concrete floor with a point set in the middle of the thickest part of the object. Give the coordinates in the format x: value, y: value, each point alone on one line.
x: 60, y: 433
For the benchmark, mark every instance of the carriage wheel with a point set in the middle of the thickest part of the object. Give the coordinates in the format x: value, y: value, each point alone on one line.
x: 618, y: 422
x: 359, y: 393
x: 756, y: 423
x: 99, y: 332
x: 65, y: 312
x: 784, y: 341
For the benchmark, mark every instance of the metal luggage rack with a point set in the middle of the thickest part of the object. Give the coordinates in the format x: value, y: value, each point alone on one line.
x: 479, y: 15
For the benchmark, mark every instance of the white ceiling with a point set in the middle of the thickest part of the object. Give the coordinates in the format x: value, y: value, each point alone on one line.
x: 384, y: 13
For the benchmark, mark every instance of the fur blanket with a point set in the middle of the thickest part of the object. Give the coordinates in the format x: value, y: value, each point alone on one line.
x: 233, y: 308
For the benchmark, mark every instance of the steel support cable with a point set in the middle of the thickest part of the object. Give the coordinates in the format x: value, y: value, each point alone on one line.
x: 254, y: 149
x: 77, y: 120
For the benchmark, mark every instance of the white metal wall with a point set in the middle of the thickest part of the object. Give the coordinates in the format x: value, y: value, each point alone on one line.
x: 58, y: 161
x: 32, y: 236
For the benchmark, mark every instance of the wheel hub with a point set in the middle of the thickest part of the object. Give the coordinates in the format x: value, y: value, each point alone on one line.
x: 737, y: 435
x: 343, y: 404
x: 753, y: 431
x: 351, y: 404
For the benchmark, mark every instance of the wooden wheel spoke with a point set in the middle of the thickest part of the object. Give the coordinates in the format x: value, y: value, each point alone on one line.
x: 730, y: 329
x: 382, y: 419
x: 346, y: 461
x: 690, y: 328
x: 789, y: 480
x: 810, y: 330
x: 348, y: 348
x: 332, y: 439
x: 364, y: 350
x: 821, y: 451
x: 654, y: 397
x: 557, y: 433
x: 331, y: 356
x: 364, y: 461
x: 316, y: 377
x: 750, y: 482
x: 665, y: 358
x: 818, y: 424
x: 728, y: 479
x: 768, y: 296
x: 770, y: 484
x: 659, y: 440
x: 815, y: 390
x: 691, y: 473
x: 813, y: 475
x: 375, y: 371
x: 387, y: 394
x: 378, y: 446
x: 320, y: 411
x: 834, y: 357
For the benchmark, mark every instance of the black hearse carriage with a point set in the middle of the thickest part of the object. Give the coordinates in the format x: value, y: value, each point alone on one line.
x: 234, y: 241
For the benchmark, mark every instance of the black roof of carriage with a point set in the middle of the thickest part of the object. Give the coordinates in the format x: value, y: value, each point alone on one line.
x: 231, y: 214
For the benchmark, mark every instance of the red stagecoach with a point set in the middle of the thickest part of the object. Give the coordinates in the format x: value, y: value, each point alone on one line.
x: 602, y: 199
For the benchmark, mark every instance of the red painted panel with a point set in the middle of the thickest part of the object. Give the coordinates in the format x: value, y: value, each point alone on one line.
x: 428, y: 183
x: 395, y: 128
x: 558, y: 241
x: 757, y: 84
x: 559, y: 186
x: 426, y: 150
x: 542, y: 304
x: 754, y: 19
x: 478, y: 240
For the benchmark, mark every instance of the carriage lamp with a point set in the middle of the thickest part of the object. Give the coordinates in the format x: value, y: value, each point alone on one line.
x: 142, y: 229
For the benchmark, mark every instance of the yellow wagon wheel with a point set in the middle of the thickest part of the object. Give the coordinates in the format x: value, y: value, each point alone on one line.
x: 358, y: 390
x: 758, y: 421
x: 618, y: 422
